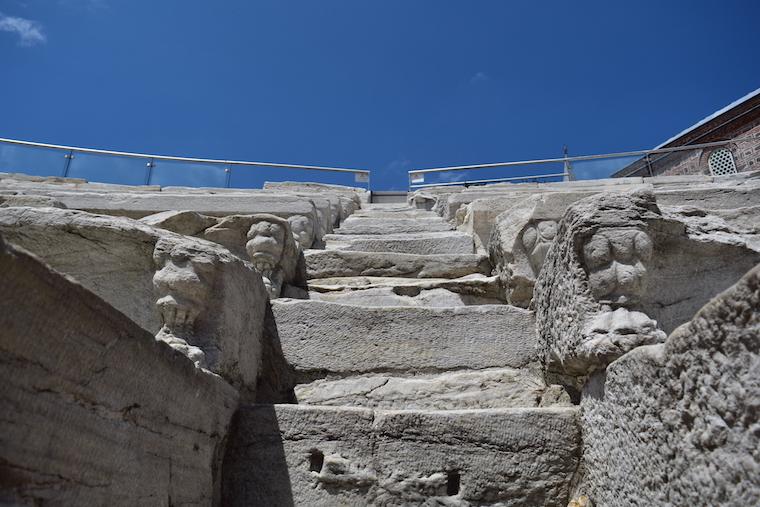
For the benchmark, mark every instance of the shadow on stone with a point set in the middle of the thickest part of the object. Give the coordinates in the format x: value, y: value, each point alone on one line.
x: 276, y: 376
x: 255, y: 438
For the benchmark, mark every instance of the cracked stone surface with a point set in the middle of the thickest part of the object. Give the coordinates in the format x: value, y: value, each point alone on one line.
x: 337, y: 456
x: 95, y: 411
x: 423, y: 243
x: 490, y: 388
x: 161, y: 280
x: 334, y: 263
x: 404, y: 367
x: 318, y: 336
x: 677, y: 423
x: 623, y: 251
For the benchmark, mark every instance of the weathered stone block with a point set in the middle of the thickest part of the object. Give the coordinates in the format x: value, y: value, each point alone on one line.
x: 266, y: 240
x: 95, y: 411
x: 622, y: 273
x: 194, y: 294
x: 424, y: 243
x: 332, y: 263
x: 677, y: 423
x: 468, y: 389
x: 342, y: 339
x: 385, y: 291
x: 327, y: 456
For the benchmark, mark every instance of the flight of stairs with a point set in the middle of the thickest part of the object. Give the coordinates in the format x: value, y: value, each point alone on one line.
x: 416, y: 383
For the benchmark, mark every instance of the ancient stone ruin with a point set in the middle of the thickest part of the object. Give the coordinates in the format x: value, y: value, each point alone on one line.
x: 563, y: 344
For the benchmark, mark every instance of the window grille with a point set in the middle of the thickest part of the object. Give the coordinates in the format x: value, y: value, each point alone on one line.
x: 721, y: 162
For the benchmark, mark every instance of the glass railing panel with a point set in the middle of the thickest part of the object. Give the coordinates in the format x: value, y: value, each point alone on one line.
x: 526, y: 173
x: 255, y: 176
x: 31, y: 160
x: 109, y: 168
x: 187, y: 174
x: 606, y: 167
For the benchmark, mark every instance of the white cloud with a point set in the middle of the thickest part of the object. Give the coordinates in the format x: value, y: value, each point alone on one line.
x: 29, y: 32
x: 479, y: 77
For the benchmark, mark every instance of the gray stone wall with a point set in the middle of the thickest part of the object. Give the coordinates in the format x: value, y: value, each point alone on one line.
x: 679, y: 423
x: 95, y: 411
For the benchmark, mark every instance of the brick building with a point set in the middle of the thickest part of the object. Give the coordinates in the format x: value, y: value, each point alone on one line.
x: 738, y: 123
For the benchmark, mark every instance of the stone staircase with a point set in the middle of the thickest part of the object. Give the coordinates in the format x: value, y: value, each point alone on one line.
x: 415, y: 383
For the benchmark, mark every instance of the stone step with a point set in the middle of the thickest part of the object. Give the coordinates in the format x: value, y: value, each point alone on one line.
x: 338, y: 456
x: 410, y: 213
x: 138, y: 205
x: 424, y: 243
x: 387, y: 296
x: 388, y: 206
x: 385, y: 291
x: 491, y: 388
x: 341, y: 263
x: 369, y: 225
x: 320, y: 339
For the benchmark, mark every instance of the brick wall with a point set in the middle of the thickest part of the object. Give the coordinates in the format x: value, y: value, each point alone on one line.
x: 746, y: 154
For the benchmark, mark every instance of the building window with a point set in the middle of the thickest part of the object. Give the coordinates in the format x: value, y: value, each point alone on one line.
x: 721, y: 162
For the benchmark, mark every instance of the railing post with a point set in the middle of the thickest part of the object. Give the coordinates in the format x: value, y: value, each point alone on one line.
x: 69, y: 156
x: 649, y: 166
x: 228, y: 175
x: 148, y: 171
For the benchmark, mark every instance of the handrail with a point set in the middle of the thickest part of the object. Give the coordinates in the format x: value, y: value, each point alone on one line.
x: 493, y: 180
x: 179, y: 159
x: 584, y: 157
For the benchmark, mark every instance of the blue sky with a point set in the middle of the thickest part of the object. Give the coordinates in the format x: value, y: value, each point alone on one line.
x: 387, y: 85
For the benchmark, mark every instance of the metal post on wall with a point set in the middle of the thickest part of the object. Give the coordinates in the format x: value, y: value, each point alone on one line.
x: 649, y: 166
x: 148, y: 171
x: 68, y: 156
x: 228, y: 175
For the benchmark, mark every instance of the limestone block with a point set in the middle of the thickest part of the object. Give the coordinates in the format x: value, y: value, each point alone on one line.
x: 304, y: 232
x: 329, y: 456
x: 338, y: 207
x: 328, y: 337
x: 478, y: 217
x: 677, y: 423
x: 384, y: 225
x: 39, y: 179
x: 380, y: 213
x: 332, y: 263
x: 471, y: 289
x: 520, y: 236
x: 402, y: 296
x: 37, y: 201
x: 191, y: 293
x: 188, y: 223
x: 349, y: 198
x: 141, y: 204
x: 717, y: 196
x: 266, y: 240
x: 490, y: 388
x: 95, y: 411
x: 425, y: 243
x: 622, y: 273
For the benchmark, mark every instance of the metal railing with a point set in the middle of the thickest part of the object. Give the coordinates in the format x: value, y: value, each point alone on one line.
x: 36, y: 159
x: 624, y: 163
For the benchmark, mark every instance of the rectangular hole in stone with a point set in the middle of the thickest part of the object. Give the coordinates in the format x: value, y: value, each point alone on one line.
x: 452, y: 483
x: 316, y: 460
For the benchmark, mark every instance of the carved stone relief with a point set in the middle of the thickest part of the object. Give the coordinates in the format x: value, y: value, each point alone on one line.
x: 183, y: 284
x: 536, y: 239
x: 303, y: 230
